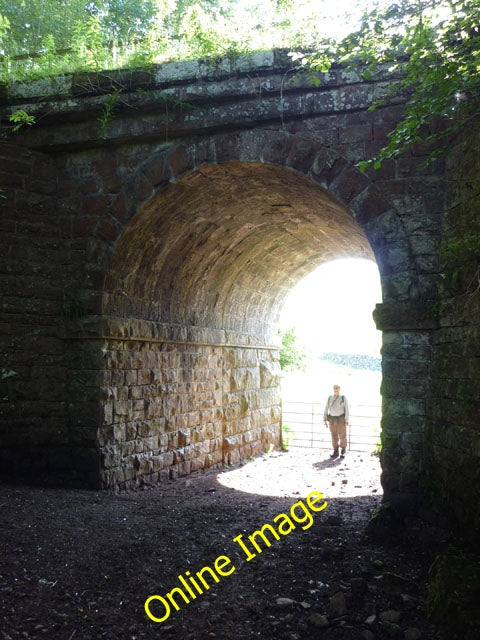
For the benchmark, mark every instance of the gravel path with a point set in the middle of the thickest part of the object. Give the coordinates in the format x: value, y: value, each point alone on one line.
x: 80, y: 565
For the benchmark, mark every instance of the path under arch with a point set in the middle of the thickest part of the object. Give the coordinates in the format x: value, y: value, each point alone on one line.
x: 192, y: 298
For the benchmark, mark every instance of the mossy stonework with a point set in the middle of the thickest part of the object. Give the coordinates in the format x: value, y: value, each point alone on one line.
x: 451, y: 472
x: 146, y: 268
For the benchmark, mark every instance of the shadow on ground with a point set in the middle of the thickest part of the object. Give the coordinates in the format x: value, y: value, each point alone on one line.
x: 79, y: 565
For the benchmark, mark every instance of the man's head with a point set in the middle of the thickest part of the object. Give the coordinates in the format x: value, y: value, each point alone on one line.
x: 336, y: 389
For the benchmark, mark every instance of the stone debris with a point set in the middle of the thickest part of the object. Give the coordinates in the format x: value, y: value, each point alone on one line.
x: 337, y: 606
x: 413, y: 633
x: 327, y: 580
x: 390, y: 616
x: 392, y: 630
x: 318, y: 620
x: 284, y: 602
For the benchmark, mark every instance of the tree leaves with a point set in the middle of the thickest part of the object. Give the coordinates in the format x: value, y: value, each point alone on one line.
x: 435, y: 46
x: 292, y: 357
x: 431, y: 46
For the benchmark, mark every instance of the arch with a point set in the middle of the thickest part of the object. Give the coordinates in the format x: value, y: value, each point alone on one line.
x: 337, y: 175
x: 146, y: 407
x: 302, y: 153
x: 190, y: 303
x: 222, y: 246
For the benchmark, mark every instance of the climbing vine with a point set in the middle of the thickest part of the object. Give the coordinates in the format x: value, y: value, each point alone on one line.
x: 462, y: 263
x: 432, y: 47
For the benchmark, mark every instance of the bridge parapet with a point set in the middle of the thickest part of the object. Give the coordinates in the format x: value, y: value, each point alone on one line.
x: 180, y: 99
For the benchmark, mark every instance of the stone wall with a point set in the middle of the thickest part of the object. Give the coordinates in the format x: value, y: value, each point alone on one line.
x: 410, y: 266
x: 171, y: 406
x: 451, y: 474
x: 252, y: 406
x: 406, y: 358
x: 182, y: 229
x: 32, y: 398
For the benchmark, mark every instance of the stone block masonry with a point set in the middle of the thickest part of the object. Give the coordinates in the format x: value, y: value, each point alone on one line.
x: 170, y: 408
x: 144, y: 268
x: 32, y: 252
x: 451, y: 466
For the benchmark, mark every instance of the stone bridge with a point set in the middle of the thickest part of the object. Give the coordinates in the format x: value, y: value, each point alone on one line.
x: 153, y: 223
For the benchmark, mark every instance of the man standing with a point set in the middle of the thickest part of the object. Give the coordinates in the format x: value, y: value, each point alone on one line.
x: 336, y: 415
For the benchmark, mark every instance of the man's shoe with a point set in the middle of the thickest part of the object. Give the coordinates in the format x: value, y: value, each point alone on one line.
x: 334, y: 454
x: 342, y: 455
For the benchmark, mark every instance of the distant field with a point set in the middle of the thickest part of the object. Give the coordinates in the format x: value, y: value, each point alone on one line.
x: 315, y: 384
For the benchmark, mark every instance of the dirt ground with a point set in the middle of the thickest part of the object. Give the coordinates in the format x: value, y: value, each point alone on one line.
x: 80, y: 565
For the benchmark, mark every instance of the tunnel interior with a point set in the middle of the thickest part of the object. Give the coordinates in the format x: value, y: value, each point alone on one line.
x: 196, y: 284
x: 223, y: 246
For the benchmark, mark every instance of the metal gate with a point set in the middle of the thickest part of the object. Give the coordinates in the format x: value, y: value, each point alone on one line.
x: 303, y: 426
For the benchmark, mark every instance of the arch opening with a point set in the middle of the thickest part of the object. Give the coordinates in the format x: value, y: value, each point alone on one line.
x: 223, y: 246
x: 191, y: 305
x: 328, y: 315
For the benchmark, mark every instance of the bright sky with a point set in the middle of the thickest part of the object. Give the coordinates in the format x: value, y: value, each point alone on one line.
x: 331, y: 308
x: 333, y: 18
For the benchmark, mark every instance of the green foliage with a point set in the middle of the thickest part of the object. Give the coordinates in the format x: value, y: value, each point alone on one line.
x: 292, y: 357
x: 39, y: 39
x: 73, y: 307
x: 468, y: 246
x: 432, y: 47
x: 21, y: 118
x: 287, y: 436
x: 377, y: 449
x: 461, y: 269
x: 109, y: 107
x: 88, y: 45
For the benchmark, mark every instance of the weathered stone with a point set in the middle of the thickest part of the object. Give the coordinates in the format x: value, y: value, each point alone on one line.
x: 392, y: 630
x: 156, y: 270
x: 269, y: 374
x: 391, y: 615
x: 337, y: 605
x: 318, y: 620
x: 412, y: 633
x: 284, y: 602
x: 359, y: 586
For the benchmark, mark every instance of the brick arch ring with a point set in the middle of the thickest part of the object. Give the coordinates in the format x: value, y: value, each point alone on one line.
x: 220, y: 230
x: 214, y: 236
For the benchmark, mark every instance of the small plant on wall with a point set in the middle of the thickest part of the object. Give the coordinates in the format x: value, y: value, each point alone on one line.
x: 21, y: 118
x: 73, y: 307
x: 461, y: 267
x: 287, y: 436
x: 109, y: 108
